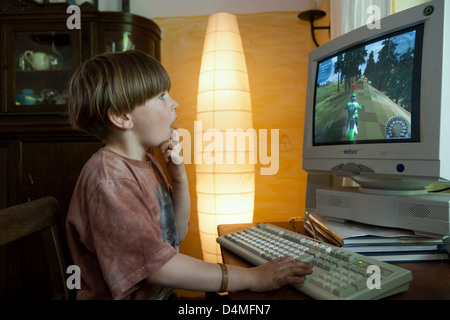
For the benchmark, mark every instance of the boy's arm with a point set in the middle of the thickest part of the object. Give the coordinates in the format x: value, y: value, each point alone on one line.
x: 181, y: 199
x: 171, y: 151
x: 184, y: 272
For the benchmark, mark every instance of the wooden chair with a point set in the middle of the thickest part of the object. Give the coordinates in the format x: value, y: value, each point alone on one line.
x: 38, y: 216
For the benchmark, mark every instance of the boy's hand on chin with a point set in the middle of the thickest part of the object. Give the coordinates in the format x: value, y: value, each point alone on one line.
x: 171, y: 152
x: 171, y: 149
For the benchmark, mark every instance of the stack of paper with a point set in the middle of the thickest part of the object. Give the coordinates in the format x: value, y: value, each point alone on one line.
x: 385, y: 244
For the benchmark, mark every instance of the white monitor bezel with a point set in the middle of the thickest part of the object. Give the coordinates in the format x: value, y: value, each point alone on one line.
x: 428, y: 159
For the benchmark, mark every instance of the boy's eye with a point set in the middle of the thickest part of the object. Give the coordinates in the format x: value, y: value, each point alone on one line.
x: 162, y: 95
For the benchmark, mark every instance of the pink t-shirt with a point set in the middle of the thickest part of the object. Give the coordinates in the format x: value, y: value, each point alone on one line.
x: 121, y: 227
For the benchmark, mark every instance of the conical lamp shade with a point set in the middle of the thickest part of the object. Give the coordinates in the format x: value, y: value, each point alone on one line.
x: 225, y: 173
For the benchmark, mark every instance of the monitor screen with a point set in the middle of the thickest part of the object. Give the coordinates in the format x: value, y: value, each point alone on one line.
x: 370, y: 93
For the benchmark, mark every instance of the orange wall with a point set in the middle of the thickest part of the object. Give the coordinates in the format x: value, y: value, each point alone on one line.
x: 276, y: 46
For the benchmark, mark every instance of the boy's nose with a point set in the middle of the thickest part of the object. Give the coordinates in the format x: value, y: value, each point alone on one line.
x: 174, y: 105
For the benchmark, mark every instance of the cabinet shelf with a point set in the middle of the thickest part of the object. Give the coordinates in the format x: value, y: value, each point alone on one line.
x: 50, y: 71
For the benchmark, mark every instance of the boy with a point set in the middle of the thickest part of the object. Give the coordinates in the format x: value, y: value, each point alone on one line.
x: 125, y: 221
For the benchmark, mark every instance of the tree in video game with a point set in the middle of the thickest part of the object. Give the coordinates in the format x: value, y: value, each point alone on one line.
x: 348, y: 66
x: 392, y: 73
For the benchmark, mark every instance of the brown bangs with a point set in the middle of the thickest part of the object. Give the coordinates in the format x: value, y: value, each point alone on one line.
x: 137, y: 80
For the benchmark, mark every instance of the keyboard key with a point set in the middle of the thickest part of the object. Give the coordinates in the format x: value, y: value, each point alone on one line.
x: 306, y: 258
x: 349, y: 257
x: 344, y: 291
x: 314, y: 253
x: 329, y: 266
x: 330, y: 288
x: 360, y: 284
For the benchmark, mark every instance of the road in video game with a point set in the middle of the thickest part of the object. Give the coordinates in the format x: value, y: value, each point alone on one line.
x: 364, y: 94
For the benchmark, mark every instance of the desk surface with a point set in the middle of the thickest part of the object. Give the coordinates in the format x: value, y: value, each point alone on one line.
x: 431, y: 280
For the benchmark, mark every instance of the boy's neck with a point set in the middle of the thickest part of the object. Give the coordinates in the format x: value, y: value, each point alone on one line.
x: 136, y: 153
x: 124, y: 142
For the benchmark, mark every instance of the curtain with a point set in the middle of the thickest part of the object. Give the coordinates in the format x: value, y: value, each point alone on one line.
x: 400, y: 5
x: 347, y: 15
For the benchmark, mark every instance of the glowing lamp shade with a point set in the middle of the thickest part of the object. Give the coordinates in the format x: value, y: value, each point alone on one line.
x: 225, y: 173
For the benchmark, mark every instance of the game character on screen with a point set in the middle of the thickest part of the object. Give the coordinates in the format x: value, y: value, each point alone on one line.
x: 352, y: 114
x: 125, y: 219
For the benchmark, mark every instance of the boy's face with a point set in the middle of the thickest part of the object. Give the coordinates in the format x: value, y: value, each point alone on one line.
x: 153, y: 119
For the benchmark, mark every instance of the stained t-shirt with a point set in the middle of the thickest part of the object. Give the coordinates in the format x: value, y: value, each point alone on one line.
x: 121, y: 227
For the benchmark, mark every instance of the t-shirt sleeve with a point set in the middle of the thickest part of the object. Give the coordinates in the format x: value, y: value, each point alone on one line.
x: 126, y: 234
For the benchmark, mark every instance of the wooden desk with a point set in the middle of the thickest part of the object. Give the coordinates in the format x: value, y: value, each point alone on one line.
x: 431, y: 280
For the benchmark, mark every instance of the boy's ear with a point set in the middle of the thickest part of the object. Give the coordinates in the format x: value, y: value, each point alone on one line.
x: 122, y: 121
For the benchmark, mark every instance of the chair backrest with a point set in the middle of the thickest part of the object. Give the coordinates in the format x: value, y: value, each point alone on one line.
x: 38, y: 216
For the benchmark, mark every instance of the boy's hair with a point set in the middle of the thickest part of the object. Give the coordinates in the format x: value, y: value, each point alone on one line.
x: 117, y: 81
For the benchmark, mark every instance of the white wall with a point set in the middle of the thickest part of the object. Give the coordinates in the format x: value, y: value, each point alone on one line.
x: 178, y: 8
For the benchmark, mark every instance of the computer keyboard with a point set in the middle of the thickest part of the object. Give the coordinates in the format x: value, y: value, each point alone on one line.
x: 337, y: 273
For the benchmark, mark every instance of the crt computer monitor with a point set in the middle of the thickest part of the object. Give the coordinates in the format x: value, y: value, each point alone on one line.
x: 378, y: 102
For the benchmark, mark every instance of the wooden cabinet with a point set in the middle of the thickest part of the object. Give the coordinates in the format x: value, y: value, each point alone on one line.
x: 40, y: 155
x: 38, y: 56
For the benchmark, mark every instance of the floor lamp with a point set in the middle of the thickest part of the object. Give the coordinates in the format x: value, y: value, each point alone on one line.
x: 225, y: 185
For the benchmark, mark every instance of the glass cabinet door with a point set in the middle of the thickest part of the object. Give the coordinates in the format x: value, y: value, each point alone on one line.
x: 118, y: 41
x: 132, y: 33
x: 42, y: 66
